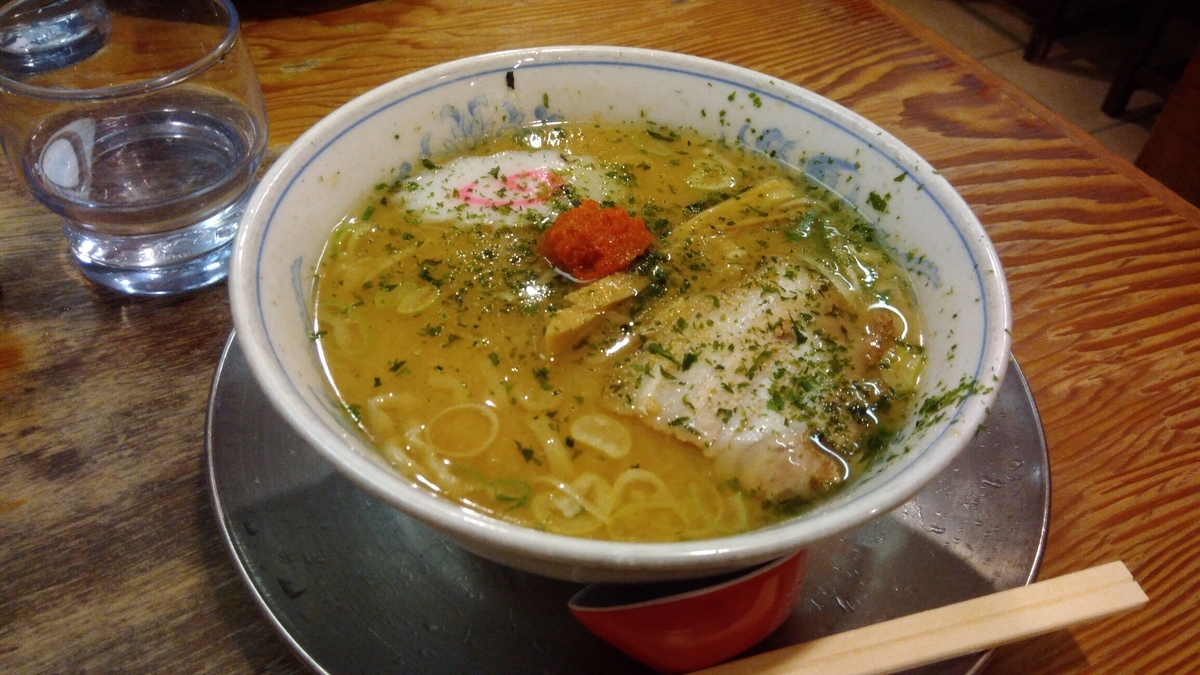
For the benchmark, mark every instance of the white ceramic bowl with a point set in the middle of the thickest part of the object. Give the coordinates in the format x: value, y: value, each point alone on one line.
x: 960, y: 284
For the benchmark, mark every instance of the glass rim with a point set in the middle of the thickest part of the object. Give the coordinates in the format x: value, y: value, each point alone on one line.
x: 149, y: 85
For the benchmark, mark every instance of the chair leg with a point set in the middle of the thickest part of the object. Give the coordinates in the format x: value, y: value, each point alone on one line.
x: 1044, y: 27
x: 1153, y: 22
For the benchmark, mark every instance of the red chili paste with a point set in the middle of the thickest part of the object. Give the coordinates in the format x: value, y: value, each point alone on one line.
x: 588, y: 242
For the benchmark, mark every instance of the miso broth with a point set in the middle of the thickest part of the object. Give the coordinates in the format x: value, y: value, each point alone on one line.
x: 760, y: 354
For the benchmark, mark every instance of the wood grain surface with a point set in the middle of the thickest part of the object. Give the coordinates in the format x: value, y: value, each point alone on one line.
x: 110, y: 558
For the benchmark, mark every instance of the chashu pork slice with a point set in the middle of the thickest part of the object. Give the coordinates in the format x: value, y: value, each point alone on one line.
x: 743, y: 373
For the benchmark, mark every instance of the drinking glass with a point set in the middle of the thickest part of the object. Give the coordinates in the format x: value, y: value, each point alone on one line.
x: 141, y: 123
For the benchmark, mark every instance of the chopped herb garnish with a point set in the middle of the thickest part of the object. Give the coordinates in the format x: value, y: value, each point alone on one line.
x: 759, y: 360
x: 428, y: 276
x: 542, y: 375
x: 666, y: 138
x: 689, y: 360
x: 527, y: 454
x: 659, y: 350
x: 801, y: 338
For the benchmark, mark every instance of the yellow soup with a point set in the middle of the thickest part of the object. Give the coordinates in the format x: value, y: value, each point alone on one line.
x: 761, y: 353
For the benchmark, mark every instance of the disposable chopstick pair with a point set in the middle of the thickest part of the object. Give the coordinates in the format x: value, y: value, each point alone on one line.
x: 958, y: 629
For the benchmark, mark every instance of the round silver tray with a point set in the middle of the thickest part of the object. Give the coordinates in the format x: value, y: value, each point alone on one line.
x: 354, y: 586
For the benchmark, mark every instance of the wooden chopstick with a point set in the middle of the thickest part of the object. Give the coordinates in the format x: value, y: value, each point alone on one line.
x: 958, y: 629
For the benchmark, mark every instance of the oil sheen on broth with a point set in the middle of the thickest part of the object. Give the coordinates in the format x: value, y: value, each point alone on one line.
x: 757, y: 356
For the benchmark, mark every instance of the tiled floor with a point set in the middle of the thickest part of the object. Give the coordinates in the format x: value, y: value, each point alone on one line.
x: 1072, y: 81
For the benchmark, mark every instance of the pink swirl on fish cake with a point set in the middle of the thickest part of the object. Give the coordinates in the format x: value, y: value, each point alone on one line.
x: 531, y: 187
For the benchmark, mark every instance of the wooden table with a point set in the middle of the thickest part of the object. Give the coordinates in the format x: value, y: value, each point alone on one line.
x: 110, y: 558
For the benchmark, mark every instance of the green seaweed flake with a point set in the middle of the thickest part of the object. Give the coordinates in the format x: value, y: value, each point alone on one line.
x: 933, y: 409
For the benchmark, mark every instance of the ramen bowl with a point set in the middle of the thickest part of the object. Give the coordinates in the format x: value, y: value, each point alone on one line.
x: 959, y: 284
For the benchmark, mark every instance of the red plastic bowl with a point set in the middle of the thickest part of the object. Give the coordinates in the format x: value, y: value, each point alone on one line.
x: 677, y: 627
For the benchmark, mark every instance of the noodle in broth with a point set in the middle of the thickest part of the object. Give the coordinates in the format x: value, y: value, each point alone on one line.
x: 757, y: 356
